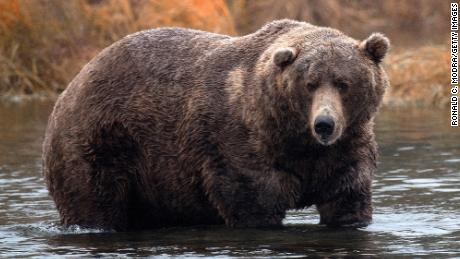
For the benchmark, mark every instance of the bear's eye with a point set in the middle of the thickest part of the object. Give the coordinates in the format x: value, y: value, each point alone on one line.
x: 342, y: 86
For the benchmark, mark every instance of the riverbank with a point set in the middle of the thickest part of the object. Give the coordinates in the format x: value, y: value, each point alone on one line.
x: 45, y: 43
x: 419, y: 77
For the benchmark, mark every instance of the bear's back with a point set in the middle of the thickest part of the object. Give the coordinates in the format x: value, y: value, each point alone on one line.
x: 148, y: 64
x: 169, y: 54
x: 172, y: 58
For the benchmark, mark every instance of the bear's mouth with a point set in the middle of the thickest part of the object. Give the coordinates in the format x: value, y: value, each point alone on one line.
x: 326, y: 141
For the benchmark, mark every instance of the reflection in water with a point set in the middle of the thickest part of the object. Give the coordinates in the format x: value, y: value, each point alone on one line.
x: 416, y: 196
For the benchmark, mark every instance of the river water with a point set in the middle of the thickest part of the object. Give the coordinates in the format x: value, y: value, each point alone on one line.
x: 416, y: 198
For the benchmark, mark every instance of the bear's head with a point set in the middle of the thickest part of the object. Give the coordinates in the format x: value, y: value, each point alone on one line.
x: 325, y: 85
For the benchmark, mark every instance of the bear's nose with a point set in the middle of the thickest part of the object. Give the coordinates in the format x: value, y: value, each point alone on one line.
x: 324, y: 126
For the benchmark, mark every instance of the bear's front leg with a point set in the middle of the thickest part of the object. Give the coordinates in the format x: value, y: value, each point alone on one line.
x: 352, y: 205
x: 246, y: 198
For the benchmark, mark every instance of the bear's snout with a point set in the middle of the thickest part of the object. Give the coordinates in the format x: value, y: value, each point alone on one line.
x: 327, y: 121
x: 324, y: 127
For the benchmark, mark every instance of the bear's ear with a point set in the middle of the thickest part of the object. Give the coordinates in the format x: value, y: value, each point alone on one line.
x: 376, y: 47
x: 284, y: 56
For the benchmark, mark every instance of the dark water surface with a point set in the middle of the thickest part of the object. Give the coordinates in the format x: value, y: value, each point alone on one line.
x: 416, y: 197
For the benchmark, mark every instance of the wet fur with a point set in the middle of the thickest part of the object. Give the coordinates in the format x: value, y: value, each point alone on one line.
x: 179, y: 127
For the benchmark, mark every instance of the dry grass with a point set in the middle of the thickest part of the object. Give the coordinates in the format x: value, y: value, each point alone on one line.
x: 419, y: 77
x: 44, y: 43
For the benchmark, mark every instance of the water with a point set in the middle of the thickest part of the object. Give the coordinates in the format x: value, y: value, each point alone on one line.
x: 416, y: 197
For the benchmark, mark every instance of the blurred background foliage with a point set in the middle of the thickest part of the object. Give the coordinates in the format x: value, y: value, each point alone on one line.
x: 44, y: 43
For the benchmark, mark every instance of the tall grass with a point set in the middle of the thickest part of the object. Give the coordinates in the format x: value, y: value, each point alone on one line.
x: 419, y: 77
x: 44, y: 43
x: 39, y: 38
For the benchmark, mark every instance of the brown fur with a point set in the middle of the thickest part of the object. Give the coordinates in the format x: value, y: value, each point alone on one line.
x: 178, y: 127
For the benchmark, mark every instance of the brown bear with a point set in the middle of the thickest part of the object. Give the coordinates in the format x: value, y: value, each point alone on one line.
x: 172, y: 126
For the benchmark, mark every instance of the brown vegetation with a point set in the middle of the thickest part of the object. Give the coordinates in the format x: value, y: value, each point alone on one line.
x: 44, y: 43
x: 418, y: 77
